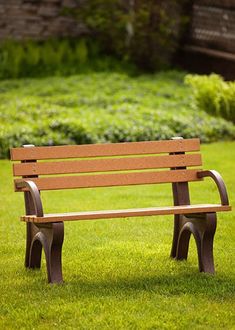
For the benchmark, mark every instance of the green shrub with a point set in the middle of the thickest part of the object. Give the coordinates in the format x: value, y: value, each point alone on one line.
x: 213, y: 95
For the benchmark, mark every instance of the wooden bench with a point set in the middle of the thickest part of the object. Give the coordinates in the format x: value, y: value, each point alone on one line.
x: 125, y: 164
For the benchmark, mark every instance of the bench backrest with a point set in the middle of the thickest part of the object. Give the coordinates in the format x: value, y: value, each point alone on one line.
x: 103, y: 165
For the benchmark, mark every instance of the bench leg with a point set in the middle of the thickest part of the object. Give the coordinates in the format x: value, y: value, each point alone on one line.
x: 203, y: 227
x: 50, y: 237
x: 178, y: 222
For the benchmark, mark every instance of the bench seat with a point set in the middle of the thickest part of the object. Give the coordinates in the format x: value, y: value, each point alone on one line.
x: 108, y: 214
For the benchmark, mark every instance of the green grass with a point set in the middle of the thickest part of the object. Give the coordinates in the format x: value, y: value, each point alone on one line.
x: 101, y: 107
x: 118, y: 274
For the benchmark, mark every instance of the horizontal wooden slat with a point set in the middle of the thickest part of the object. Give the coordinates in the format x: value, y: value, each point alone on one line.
x: 102, y: 165
x: 108, y: 214
x: 102, y: 150
x: 108, y: 180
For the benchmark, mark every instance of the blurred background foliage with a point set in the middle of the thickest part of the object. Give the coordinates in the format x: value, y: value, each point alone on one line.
x: 136, y: 35
x: 54, y: 57
x: 145, y: 33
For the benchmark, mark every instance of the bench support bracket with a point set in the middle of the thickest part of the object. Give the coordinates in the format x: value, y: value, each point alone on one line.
x: 203, y: 227
x: 49, y: 237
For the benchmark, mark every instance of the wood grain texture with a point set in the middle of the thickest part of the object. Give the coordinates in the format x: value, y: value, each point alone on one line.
x: 108, y: 214
x: 102, y: 150
x: 103, y: 165
x: 108, y: 180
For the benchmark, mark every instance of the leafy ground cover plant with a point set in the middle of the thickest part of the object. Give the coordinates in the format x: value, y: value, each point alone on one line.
x: 213, y: 95
x: 102, y: 107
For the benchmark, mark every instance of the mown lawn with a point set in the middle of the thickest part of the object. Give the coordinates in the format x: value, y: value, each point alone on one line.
x: 118, y: 274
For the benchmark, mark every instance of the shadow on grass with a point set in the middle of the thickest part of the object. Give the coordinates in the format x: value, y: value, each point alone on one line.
x: 212, y: 287
x: 197, y: 284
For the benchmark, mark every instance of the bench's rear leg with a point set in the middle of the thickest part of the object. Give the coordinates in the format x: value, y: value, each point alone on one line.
x: 180, y: 248
x: 178, y: 224
x: 32, y: 258
x: 181, y: 197
x: 32, y: 255
x: 203, y: 228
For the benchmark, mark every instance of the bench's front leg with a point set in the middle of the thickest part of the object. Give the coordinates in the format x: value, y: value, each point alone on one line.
x: 50, y: 237
x: 203, y: 227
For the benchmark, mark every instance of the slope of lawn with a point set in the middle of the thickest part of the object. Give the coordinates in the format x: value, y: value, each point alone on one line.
x: 118, y: 274
x: 101, y: 107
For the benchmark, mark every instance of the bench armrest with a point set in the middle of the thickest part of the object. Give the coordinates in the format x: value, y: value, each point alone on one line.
x: 35, y: 194
x: 219, y: 182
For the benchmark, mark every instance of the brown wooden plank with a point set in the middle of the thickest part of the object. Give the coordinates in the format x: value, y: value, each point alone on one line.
x: 102, y: 165
x: 109, y: 149
x: 108, y: 214
x: 108, y: 180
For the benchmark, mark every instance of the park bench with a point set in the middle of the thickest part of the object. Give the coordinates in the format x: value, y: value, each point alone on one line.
x: 115, y: 164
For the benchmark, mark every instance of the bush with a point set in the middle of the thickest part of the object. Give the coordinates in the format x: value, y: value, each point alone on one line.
x: 213, y: 95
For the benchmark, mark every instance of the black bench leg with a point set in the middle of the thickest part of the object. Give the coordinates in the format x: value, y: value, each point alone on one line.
x: 203, y: 227
x: 50, y: 237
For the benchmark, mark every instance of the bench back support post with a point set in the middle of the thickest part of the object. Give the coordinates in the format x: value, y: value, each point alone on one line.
x: 180, y: 197
x: 31, y: 229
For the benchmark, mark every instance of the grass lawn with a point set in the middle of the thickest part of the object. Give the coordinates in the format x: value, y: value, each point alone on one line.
x: 118, y: 274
